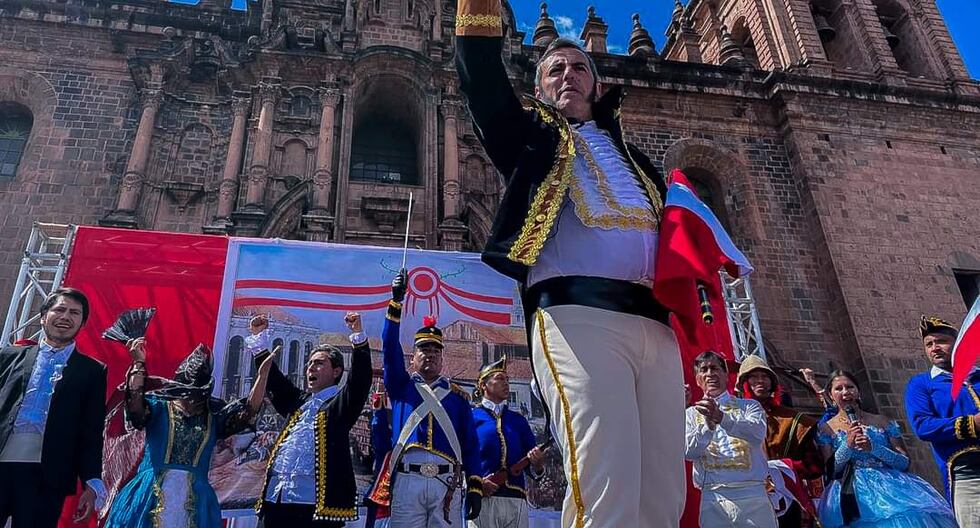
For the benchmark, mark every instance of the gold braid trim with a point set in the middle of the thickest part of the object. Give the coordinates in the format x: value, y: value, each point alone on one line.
x: 655, y: 199
x: 547, y: 201
x: 567, y: 418
x: 479, y: 18
x: 949, y: 466
x: 958, y: 427
x: 322, y: 511
x: 503, y: 445
x: 486, y: 21
x: 474, y: 485
x: 630, y: 217
x: 272, y: 456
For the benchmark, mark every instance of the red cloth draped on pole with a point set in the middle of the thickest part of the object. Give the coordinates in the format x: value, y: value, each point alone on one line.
x: 967, y: 348
x: 693, y: 248
x: 118, y: 269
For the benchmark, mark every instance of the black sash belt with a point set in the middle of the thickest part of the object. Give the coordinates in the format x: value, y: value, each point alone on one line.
x: 596, y: 292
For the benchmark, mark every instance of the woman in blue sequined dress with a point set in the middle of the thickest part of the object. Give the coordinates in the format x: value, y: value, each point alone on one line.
x: 872, y: 486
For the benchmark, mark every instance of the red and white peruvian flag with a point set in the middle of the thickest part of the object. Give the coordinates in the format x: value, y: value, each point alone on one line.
x: 967, y: 348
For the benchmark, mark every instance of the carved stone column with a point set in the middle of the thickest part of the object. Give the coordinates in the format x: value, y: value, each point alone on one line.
x: 319, y: 222
x: 258, y: 172
x: 132, y: 183
x: 249, y: 218
x: 228, y: 188
x: 452, y: 231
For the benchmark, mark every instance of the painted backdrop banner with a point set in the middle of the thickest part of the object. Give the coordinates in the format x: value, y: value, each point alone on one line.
x: 306, y: 288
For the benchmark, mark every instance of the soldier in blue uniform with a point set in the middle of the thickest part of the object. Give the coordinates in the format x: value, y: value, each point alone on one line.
x: 435, y: 443
x: 506, y: 447
x: 951, y: 426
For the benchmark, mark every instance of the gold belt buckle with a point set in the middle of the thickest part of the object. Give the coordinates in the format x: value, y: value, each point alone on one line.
x: 429, y: 470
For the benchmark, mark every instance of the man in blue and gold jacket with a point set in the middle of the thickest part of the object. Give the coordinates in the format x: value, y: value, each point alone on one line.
x: 432, y: 425
x: 505, y: 440
x: 951, y: 426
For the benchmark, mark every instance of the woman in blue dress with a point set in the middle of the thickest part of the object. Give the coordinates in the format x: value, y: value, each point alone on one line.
x: 182, y: 424
x: 871, y: 486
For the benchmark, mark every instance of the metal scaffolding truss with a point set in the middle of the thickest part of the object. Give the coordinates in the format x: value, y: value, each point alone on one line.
x: 743, y: 318
x: 41, y: 272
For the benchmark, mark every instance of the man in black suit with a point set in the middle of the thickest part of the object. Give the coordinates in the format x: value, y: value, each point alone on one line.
x: 309, y: 482
x: 52, y: 412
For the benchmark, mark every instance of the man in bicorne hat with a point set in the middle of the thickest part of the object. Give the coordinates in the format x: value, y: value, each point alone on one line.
x: 790, y: 434
x: 435, y: 443
x: 507, y: 448
x: 604, y: 357
x: 951, y: 426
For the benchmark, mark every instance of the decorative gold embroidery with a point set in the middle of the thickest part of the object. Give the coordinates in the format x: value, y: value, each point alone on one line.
x: 478, y: 20
x: 335, y: 514
x: 158, y: 511
x: 567, y: 417
x: 503, y: 443
x: 324, y: 512
x: 633, y: 217
x: 949, y: 466
x: 204, y: 441
x: 713, y: 458
x: 170, y: 432
x: 958, y: 427
x: 973, y: 394
x: 547, y: 201
x: 272, y: 456
x: 655, y: 199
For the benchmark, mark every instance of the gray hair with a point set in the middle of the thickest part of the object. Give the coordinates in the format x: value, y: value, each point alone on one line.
x: 564, y: 43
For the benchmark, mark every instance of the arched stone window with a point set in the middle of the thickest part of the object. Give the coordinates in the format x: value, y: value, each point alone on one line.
x: 233, y: 380
x: 294, y: 367
x: 838, y: 35
x: 384, y: 151
x: 16, y: 122
x: 277, y: 343
x: 307, y: 350
x: 743, y: 37
x: 300, y: 106
x: 706, y: 186
x: 908, y: 44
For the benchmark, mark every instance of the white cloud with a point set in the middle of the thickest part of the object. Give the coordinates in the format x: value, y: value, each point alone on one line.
x: 566, y: 27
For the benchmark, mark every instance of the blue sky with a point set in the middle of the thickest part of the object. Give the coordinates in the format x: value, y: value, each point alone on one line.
x: 569, y: 15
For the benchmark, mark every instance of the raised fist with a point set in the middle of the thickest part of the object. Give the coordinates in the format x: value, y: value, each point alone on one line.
x: 258, y: 323
x: 399, y: 285
x: 353, y: 320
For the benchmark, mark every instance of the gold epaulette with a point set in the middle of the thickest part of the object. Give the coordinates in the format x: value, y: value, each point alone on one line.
x: 478, y: 18
x: 459, y: 390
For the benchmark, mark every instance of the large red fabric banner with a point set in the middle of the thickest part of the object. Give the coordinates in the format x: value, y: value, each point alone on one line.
x: 119, y: 269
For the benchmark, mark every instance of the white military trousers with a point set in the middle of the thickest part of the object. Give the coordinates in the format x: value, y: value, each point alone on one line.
x: 615, y: 390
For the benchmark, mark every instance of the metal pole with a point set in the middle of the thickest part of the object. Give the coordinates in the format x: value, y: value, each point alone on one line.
x: 754, y: 315
x: 8, y: 324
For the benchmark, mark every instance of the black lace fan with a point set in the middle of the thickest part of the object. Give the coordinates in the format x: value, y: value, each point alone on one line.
x: 130, y: 325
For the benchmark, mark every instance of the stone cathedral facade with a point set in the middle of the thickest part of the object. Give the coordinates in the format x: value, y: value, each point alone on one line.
x: 838, y: 140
